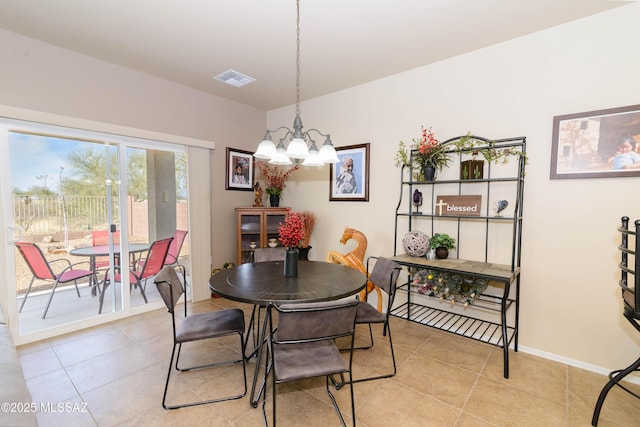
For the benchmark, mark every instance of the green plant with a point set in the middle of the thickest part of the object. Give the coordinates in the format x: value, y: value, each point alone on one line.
x: 424, y: 151
x: 488, y: 150
x: 442, y: 240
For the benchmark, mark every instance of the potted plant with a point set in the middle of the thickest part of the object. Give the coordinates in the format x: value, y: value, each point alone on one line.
x: 425, y: 156
x: 291, y: 235
x: 275, y: 180
x: 442, y: 242
x: 472, y: 169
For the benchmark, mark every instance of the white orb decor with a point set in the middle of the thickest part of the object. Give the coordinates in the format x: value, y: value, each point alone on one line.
x: 415, y: 243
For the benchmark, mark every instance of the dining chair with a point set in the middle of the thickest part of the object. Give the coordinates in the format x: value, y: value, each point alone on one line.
x: 630, y: 292
x: 303, y: 346
x: 198, y: 327
x: 261, y: 255
x: 140, y: 273
x: 384, y: 275
x: 41, y: 269
x: 268, y: 254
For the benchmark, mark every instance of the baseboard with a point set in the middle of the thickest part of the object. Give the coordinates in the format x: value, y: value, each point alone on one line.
x: 575, y: 363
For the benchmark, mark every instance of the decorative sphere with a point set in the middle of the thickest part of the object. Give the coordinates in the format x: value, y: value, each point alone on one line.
x: 415, y: 243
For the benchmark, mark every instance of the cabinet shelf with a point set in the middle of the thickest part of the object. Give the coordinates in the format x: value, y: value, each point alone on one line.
x: 501, y: 237
x: 256, y: 225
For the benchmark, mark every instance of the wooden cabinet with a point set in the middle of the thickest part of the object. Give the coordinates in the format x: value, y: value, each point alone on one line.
x: 488, y: 248
x: 256, y: 225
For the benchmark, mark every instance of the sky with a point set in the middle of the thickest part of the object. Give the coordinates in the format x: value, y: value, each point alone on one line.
x: 32, y: 156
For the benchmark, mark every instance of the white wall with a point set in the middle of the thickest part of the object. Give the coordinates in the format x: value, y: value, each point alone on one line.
x: 39, y: 80
x: 570, y: 301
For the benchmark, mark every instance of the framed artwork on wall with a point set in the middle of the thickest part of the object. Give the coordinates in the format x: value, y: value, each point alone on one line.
x: 239, y: 170
x: 349, y: 178
x: 596, y: 144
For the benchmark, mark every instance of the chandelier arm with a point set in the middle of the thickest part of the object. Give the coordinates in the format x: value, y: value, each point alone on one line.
x: 279, y: 129
x: 316, y: 130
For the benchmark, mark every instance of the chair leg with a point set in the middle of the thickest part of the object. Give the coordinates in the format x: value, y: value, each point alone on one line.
x: 105, y: 285
x: 144, y: 296
x: 53, y: 290
x: 75, y: 282
x: 342, y: 382
x: 335, y: 404
x: 204, y: 402
x: 254, y: 328
x: 26, y: 294
x: 614, y: 379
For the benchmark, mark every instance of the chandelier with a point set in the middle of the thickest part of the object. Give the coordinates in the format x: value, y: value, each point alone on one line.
x: 297, y: 140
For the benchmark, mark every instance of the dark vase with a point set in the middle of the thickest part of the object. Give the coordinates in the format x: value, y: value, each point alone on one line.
x: 429, y: 173
x: 291, y: 262
x: 274, y: 200
x: 303, y: 253
x: 442, y: 252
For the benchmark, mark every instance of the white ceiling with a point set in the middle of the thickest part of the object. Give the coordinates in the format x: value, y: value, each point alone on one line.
x: 343, y: 42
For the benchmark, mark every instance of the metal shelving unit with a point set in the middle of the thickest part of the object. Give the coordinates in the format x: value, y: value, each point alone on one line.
x: 494, y: 315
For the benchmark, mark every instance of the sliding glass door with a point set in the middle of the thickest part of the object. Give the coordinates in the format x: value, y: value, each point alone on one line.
x: 94, y: 202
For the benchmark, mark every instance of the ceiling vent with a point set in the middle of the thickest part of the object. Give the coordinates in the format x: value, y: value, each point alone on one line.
x: 234, y: 78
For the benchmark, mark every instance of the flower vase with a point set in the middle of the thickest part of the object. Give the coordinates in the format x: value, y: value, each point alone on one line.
x: 291, y: 262
x: 274, y: 200
x: 429, y: 173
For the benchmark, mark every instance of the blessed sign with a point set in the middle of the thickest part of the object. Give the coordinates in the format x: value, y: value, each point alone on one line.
x: 458, y: 205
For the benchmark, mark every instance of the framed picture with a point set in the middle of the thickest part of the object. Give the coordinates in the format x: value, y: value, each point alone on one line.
x: 597, y: 144
x: 349, y: 178
x: 239, y: 170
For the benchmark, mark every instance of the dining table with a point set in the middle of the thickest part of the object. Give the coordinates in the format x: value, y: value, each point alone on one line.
x: 264, y: 284
x: 103, y: 250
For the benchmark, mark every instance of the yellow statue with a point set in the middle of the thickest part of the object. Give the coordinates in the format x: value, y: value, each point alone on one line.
x: 355, y: 259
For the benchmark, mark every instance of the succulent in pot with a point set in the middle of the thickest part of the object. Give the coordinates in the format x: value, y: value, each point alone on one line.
x: 442, y: 242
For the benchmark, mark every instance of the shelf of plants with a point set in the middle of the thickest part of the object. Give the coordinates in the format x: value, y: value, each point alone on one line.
x: 474, y: 293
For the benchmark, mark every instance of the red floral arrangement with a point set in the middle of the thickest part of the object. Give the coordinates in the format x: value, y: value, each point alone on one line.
x: 292, y: 231
x: 429, y: 151
x: 275, y: 177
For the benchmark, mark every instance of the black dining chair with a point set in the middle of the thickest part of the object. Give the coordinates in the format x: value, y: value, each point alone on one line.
x: 261, y: 255
x: 630, y: 291
x: 384, y: 275
x: 197, y: 327
x: 303, y: 346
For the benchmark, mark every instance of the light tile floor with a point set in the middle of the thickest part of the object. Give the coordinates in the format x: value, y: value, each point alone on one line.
x: 118, y: 371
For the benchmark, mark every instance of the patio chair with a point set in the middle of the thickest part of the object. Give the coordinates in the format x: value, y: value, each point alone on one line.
x: 41, y: 270
x: 174, y: 252
x: 175, y: 248
x: 204, y: 326
x: 139, y: 275
x: 100, y: 238
x: 303, y: 346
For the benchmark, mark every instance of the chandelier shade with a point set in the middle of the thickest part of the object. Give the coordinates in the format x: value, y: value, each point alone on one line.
x: 300, y: 145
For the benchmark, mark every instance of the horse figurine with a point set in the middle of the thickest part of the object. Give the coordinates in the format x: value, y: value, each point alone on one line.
x: 355, y: 259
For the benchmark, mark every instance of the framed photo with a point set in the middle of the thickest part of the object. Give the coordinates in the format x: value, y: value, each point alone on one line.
x: 349, y: 178
x: 597, y: 144
x: 239, y: 170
